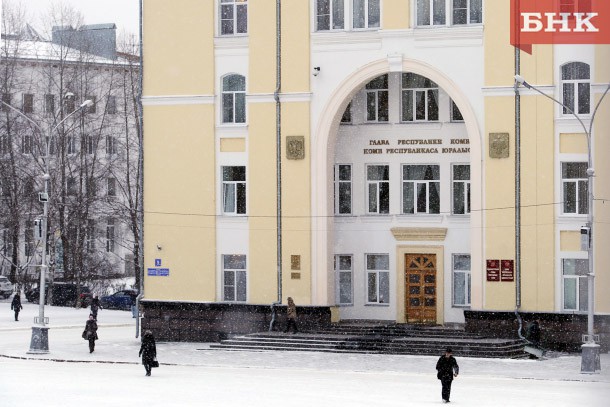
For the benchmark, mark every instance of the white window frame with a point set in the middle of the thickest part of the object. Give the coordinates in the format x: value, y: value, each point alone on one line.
x: 111, y: 105
x: 377, y: 184
x: 367, y: 18
x: 234, y: 95
x: 376, y: 93
x: 469, y: 12
x: 581, y: 304
x: 333, y: 13
x: 578, y: 185
x: 90, y: 239
x: 377, y: 273
x: 236, y: 273
x: 412, y: 93
x: 235, y: 185
x: 448, y: 13
x: 111, y: 145
x: 27, y: 144
x: 29, y: 244
x: 111, y: 191
x: 110, y: 235
x: 345, y: 183
x: 431, y: 8
x: 416, y: 183
x: 340, y: 272
x: 70, y: 145
x: 234, y: 5
x: 576, y: 84
x: 467, y: 278
x: 466, y: 189
x: 49, y: 103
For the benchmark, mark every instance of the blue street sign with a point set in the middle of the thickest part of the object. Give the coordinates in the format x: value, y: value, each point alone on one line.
x: 162, y: 272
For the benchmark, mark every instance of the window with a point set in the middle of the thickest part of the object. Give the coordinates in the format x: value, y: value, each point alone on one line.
x: 330, y: 15
x: 234, y: 99
x: 575, y: 78
x: 110, y: 235
x: 347, y: 115
x: 461, y: 189
x: 27, y: 142
x: 93, y: 107
x: 69, y: 104
x: 430, y: 12
x: 234, y: 190
x: 90, y: 239
x: 575, y: 284
x: 467, y: 12
x: 49, y: 104
x: 28, y: 236
x: 420, y: 189
x: 343, y: 189
x: 28, y: 103
x: 366, y: 14
x: 7, y: 243
x: 51, y: 145
x: 378, y: 187
x: 71, y: 186
x: 234, y: 279
x: 5, y: 145
x: 111, y: 187
x: 91, y: 188
x: 377, y: 99
x: 575, y: 188
x: 419, y: 98
x: 456, y: 115
x: 6, y: 98
x: 111, y: 105
x: 378, y: 278
x: 461, y: 280
x: 343, y: 273
x: 111, y: 145
x: 233, y: 17
x: 70, y: 145
x: 88, y: 145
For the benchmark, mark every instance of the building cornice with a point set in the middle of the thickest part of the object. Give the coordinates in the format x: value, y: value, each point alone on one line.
x: 168, y: 100
x: 419, y: 234
x: 284, y: 97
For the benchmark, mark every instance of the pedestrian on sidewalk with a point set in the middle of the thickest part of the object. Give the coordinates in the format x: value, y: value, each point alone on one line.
x: 291, y: 315
x: 148, y: 351
x: 16, y: 305
x: 95, y: 306
x: 447, y: 369
x: 90, y: 332
x: 533, y: 333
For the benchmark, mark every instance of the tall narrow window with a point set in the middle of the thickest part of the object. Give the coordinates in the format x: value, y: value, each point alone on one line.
x: 110, y: 235
x: 460, y: 186
x: 377, y: 99
x: 71, y: 186
x: 6, y: 98
x: 431, y: 12
x: 378, y: 278
x: 50, y: 145
x: 27, y: 142
x: 420, y: 189
x: 49, y: 104
x: 91, y: 187
x: 575, y: 284
x: 234, y: 190
x: 575, y: 188
x: 29, y: 239
x: 343, y: 189
x: 366, y: 14
x: 111, y: 145
x: 70, y: 145
x: 467, y: 12
x: 28, y: 103
x: 111, y: 187
x: 343, y: 273
x: 234, y: 278
x: 90, y: 239
x: 461, y: 280
x: 5, y: 144
x: 378, y: 189
x: 69, y: 104
x: 576, y: 83
x: 330, y: 15
x: 233, y: 17
x: 234, y: 99
x: 419, y: 98
x: 111, y: 107
x: 93, y: 107
x: 89, y: 145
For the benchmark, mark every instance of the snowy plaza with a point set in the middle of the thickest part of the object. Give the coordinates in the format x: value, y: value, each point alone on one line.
x: 191, y: 374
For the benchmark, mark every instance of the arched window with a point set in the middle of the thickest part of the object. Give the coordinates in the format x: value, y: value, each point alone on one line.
x: 576, y: 82
x: 234, y: 99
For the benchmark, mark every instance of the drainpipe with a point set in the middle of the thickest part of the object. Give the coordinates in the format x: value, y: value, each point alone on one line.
x: 278, y: 152
x: 141, y: 183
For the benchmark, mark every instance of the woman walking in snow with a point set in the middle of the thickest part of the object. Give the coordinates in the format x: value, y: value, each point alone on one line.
x: 291, y: 314
x: 90, y: 333
x: 16, y: 306
x: 148, y: 351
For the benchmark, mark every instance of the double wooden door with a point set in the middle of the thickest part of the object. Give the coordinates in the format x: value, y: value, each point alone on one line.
x: 420, y: 280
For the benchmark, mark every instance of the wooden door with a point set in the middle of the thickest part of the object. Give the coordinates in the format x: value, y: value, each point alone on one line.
x: 420, y: 280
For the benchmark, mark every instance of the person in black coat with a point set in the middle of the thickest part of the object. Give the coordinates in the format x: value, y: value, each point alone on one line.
x: 95, y: 306
x: 90, y: 332
x: 148, y: 351
x: 16, y: 306
x: 533, y: 333
x: 447, y: 369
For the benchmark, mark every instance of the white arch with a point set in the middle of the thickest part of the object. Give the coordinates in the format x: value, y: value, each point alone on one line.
x: 323, y: 151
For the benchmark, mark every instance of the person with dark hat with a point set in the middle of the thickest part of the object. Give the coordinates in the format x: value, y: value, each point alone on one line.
x: 447, y: 368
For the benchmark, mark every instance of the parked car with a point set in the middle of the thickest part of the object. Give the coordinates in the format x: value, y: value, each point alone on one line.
x: 63, y: 294
x: 6, y: 287
x: 123, y: 299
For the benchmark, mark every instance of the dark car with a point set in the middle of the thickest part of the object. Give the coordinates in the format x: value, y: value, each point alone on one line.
x: 123, y: 299
x: 63, y: 294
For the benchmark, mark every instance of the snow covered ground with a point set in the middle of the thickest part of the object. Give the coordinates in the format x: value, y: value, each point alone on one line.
x: 192, y: 374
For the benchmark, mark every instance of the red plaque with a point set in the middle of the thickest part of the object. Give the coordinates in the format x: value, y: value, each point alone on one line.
x: 493, y: 270
x: 507, y: 271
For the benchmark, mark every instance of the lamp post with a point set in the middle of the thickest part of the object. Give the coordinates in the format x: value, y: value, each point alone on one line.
x: 590, y: 349
x: 40, y: 337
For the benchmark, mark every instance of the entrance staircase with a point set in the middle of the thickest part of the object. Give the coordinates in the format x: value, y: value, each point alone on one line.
x: 395, y: 339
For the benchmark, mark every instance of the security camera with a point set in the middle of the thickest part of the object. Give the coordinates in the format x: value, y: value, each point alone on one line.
x: 159, y: 247
x: 316, y: 70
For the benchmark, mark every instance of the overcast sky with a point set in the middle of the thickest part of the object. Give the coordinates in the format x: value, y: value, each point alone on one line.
x: 124, y: 13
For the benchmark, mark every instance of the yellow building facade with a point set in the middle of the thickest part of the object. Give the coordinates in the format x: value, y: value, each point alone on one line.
x: 397, y: 123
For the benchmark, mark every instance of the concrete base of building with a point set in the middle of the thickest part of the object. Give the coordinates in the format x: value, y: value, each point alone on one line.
x: 213, y: 322
x: 558, y: 331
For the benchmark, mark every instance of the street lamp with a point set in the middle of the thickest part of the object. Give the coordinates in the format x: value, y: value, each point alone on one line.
x: 590, y: 349
x: 40, y: 336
